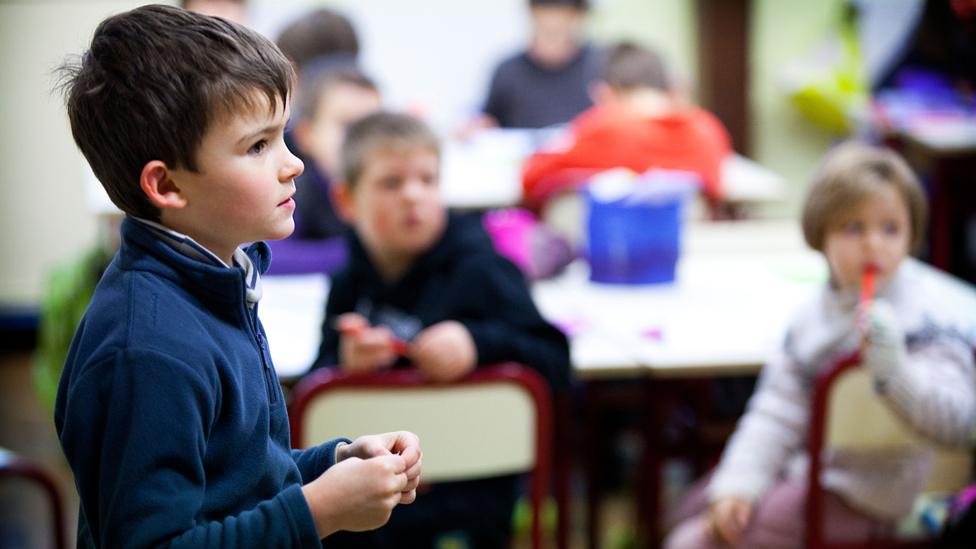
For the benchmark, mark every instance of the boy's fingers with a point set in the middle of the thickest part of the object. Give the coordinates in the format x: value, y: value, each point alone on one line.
x: 392, y: 463
x: 727, y: 532
x: 411, y: 455
x: 375, y: 448
x: 414, y: 471
x: 722, y: 526
x: 743, y: 515
x: 351, y: 322
x: 404, y: 440
x: 715, y: 531
x: 399, y: 485
x: 412, y: 483
x: 371, y: 446
x: 408, y: 497
x: 373, y: 358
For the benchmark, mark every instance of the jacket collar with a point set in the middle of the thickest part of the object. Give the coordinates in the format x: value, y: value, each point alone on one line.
x: 155, y: 248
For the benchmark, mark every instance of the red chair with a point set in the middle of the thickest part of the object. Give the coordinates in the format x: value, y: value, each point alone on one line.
x: 497, y: 420
x: 848, y: 414
x: 14, y: 466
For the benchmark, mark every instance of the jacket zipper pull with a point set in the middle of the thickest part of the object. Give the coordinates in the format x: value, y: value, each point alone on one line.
x: 268, y: 377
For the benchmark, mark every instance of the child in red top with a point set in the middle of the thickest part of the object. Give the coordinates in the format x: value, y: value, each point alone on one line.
x: 637, y: 123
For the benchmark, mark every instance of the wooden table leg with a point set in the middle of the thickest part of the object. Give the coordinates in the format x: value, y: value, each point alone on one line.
x: 591, y: 452
x: 649, y: 475
x: 562, y: 465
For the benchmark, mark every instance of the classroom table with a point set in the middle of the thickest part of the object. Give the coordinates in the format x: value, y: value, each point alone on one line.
x: 735, y: 287
x: 736, y: 284
x: 727, y: 268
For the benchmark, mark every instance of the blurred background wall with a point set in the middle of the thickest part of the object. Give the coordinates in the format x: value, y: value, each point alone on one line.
x: 431, y: 56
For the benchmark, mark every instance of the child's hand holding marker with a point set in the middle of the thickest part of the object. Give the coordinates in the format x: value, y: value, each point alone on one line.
x: 883, y: 345
x: 364, y: 348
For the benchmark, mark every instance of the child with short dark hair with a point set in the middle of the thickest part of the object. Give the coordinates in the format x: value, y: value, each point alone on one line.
x: 419, y: 275
x: 333, y: 99
x: 169, y: 409
x: 322, y: 32
x: 547, y: 83
x: 332, y: 93
x: 864, y: 211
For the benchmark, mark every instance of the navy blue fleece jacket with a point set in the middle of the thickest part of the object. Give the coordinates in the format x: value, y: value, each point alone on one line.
x: 170, y: 413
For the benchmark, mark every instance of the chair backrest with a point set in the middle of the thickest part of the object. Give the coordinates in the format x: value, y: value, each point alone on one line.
x: 14, y: 466
x: 847, y: 414
x: 495, y: 421
x: 875, y: 425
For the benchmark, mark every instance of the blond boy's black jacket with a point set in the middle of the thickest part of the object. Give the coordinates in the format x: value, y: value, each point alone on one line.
x: 461, y: 278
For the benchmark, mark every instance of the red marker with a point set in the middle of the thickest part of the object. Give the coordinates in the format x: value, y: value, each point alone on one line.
x: 867, y: 284
x: 867, y: 295
x: 400, y: 346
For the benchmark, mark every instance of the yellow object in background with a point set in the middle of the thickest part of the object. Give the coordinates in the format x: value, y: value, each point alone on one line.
x: 830, y: 85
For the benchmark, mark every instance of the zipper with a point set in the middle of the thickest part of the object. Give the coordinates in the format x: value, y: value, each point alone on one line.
x: 268, y: 376
x: 269, y: 381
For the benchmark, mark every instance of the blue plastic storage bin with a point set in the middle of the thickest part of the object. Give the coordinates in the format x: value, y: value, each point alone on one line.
x: 636, y: 239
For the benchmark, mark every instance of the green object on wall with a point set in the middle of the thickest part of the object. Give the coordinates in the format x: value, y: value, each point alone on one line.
x: 66, y: 296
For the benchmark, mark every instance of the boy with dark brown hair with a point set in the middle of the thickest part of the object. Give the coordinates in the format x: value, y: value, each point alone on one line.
x: 169, y: 409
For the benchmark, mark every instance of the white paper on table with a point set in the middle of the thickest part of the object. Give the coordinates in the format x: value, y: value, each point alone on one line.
x: 292, y: 308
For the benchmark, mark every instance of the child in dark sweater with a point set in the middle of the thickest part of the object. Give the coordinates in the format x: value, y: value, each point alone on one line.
x: 419, y: 275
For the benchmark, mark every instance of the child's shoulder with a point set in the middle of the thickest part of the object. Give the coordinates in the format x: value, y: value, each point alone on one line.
x: 465, y: 234
x: 926, y: 294
x: 938, y: 283
x: 468, y: 251
x: 143, y: 309
x: 821, y: 325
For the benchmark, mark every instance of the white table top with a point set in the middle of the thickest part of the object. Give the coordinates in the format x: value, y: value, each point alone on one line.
x: 291, y: 309
x: 736, y: 286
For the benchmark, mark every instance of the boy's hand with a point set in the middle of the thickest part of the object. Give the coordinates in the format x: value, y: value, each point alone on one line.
x: 356, y: 494
x: 363, y: 348
x: 444, y: 351
x: 884, y: 346
x: 728, y: 518
x: 403, y: 443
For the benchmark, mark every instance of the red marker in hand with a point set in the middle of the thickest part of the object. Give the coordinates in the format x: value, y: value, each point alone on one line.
x: 867, y: 296
x: 400, y: 346
x: 867, y: 284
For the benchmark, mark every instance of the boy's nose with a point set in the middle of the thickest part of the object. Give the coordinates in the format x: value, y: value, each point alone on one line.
x: 292, y: 168
x: 413, y: 188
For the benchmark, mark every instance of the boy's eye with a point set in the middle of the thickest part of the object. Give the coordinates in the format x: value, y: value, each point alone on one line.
x: 258, y: 147
x: 892, y: 228
x: 390, y: 183
x: 853, y: 228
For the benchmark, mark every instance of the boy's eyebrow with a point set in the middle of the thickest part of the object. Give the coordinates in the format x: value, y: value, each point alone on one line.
x: 269, y: 129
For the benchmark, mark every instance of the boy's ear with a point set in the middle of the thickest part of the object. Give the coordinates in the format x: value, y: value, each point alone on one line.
x: 156, y: 182
x: 342, y: 199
